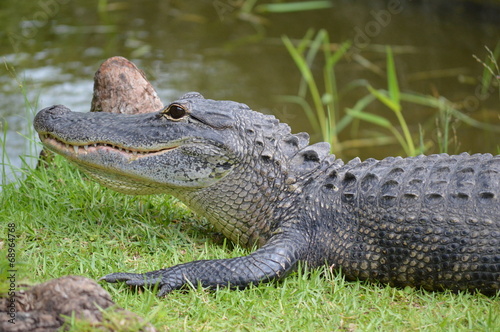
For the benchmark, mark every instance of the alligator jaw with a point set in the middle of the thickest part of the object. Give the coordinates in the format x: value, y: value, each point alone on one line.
x: 75, y: 151
x: 144, y: 151
x: 89, y: 158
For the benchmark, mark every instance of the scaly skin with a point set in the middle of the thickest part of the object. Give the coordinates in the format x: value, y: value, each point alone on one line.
x: 426, y: 221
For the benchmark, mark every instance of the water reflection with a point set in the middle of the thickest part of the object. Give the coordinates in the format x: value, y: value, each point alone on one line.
x: 55, y: 47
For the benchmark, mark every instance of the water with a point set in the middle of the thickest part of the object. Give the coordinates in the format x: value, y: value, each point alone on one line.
x: 55, y: 47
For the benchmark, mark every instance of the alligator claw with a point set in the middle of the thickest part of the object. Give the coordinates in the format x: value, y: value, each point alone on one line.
x: 164, y: 290
x: 120, y: 276
x: 132, y: 279
x: 140, y: 280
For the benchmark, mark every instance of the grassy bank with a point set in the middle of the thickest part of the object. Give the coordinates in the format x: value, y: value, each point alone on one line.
x: 65, y: 224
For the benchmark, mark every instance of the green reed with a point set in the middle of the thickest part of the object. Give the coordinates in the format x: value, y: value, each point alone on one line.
x: 320, y: 100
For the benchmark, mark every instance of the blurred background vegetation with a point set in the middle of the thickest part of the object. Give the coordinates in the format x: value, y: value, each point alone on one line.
x: 375, y: 78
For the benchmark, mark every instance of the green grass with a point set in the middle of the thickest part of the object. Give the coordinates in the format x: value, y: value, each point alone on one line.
x: 67, y: 225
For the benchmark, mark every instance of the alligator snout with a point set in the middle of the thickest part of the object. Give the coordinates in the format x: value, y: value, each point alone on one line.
x: 54, y: 110
x: 42, y: 118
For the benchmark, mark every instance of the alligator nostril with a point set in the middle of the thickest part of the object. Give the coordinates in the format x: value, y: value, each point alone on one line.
x: 44, y: 119
x: 55, y: 110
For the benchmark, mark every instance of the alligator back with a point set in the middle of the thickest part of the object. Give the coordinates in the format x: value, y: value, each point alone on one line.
x: 429, y: 221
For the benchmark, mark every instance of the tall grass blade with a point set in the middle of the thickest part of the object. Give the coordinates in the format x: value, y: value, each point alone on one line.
x: 488, y: 74
x: 370, y: 117
x: 331, y: 96
x: 392, y: 81
x: 288, y: 7
x: 382, y: 122
x: 358, y: 107
x: 381, y: 96
x: 392, y: 100
x: 306, y: 73
x: 314, y: 46
x: 5, y: 156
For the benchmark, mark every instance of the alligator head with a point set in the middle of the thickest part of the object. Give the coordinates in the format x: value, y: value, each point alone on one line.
x: 186, y: 145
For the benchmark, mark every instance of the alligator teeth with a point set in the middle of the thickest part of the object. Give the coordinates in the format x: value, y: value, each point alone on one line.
x: 134, y: 153
x: 75, y: 147
x: 86, y: 147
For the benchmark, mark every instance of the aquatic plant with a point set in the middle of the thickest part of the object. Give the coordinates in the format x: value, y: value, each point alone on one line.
x: 320, y: 102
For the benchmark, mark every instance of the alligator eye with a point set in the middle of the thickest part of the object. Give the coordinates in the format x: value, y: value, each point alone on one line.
x: 176, y: 112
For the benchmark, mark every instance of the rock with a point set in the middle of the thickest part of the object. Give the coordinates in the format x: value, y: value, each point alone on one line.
x: 42, y: 308
x: 120, y: 87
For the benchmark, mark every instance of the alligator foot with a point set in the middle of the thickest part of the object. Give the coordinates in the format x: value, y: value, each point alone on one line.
x: 271, y: 262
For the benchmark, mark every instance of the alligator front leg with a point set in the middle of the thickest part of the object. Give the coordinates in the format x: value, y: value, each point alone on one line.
x: 271, y: 262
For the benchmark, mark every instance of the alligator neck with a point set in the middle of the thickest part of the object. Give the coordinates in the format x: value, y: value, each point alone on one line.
x: 243, y: 204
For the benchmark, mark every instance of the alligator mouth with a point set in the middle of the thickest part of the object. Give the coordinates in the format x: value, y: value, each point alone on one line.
x: 68, y: 149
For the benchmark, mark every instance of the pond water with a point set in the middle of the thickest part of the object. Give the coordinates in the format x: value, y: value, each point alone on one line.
x: 54, y: 47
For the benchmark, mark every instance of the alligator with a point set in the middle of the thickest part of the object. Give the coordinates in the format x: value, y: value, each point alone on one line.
x: 430, y: 222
